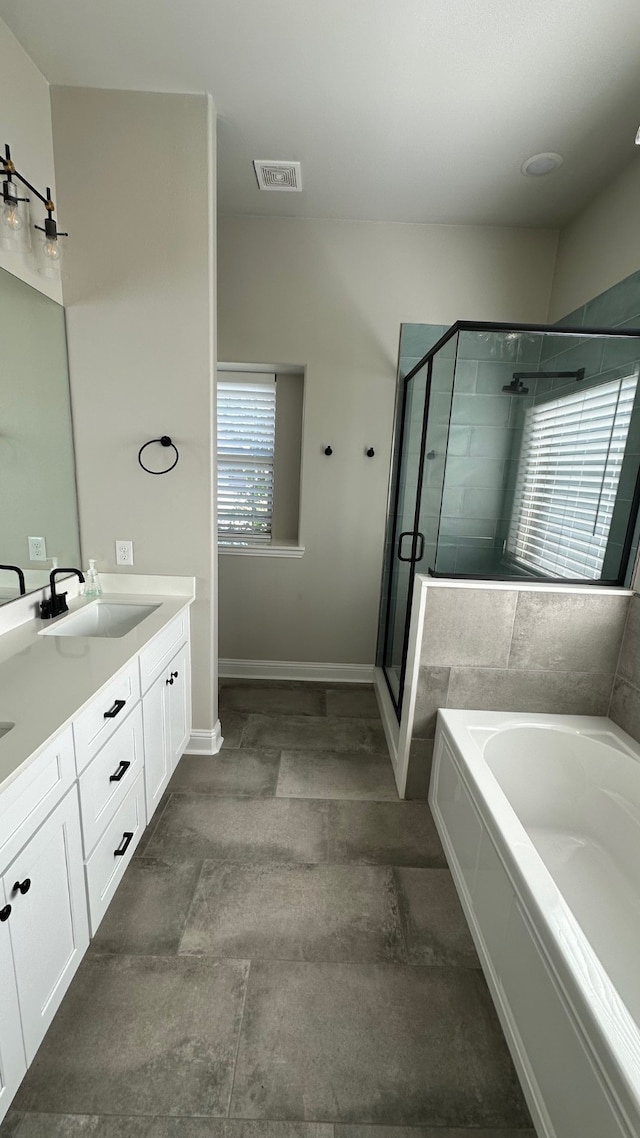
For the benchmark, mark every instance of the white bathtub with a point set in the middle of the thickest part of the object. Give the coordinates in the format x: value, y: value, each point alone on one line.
x: 539, y: 816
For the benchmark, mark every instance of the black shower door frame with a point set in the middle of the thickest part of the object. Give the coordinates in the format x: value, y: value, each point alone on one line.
x: 427, y: 359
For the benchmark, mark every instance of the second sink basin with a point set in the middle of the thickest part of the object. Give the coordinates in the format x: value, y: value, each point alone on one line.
x: 102, y: 618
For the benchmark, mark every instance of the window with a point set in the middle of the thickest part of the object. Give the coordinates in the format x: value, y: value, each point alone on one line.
x: 567, y: 482
x: 246, y: 455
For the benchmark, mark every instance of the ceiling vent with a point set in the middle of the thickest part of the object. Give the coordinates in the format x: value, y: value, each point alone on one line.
x: 273, y: 174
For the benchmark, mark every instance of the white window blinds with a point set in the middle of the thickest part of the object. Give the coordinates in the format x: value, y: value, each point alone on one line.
x: 246, y: 446
x: 568, y: 474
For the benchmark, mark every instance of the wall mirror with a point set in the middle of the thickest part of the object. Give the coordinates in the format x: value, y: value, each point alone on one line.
x: 38, y: 501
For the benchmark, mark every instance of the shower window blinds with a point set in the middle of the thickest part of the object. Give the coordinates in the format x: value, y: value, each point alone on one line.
x: 246, y: 446
x: 570, y: 463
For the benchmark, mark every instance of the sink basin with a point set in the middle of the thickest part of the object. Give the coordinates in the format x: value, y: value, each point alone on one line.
x: 102, y: 618
x: 5, y: 728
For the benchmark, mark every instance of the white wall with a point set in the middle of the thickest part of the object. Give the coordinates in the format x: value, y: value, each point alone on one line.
x: 332, y: 295
x: 26, y: 126
x: 141, y: 324
x: 601, y: 246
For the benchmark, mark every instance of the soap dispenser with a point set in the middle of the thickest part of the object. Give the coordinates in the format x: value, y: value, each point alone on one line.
x: 92, y: 588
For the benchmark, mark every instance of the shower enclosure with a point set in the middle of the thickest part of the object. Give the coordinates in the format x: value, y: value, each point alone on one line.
x: 517, y: 451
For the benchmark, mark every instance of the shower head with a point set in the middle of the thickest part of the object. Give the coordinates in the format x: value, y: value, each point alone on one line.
x: 516, y: 387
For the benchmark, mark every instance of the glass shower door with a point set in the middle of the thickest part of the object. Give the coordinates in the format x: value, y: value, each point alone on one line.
x: 404, y: 544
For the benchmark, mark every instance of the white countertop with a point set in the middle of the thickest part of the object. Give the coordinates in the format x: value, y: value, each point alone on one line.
x: 46, y: 680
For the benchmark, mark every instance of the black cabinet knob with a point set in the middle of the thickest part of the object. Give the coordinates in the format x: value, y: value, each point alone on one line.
x: 5, y: 913
x: 174, y: 675
x: 169, y: 681
x: 22, y: 886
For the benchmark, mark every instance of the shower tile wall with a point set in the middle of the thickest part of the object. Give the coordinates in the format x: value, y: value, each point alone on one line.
x: 482, y: 452
x: 625, y: 699
x: 516, y: 650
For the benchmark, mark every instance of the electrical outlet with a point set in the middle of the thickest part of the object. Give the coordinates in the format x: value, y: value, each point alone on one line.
x: 124, y: 552
x: 37, y: 549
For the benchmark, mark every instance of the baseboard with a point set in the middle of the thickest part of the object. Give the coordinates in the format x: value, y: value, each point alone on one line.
x: 389, y: 720
x: 205, y: 742
x: 290, y: 670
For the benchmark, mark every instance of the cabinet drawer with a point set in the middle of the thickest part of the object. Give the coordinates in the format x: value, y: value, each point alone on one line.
x: 106, y: 781
x: 106, y: 866
x: 163, y: 648
x: 32, y: 796
x: 104, y: 715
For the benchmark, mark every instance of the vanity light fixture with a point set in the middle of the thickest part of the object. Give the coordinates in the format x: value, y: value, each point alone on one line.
x: 15, y: 228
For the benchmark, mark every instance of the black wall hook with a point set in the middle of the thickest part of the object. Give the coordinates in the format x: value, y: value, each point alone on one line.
x: 165, y: 441
x: 328, y: 450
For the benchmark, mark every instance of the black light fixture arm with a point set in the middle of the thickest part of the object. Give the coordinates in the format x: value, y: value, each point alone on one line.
x: 9, y: 169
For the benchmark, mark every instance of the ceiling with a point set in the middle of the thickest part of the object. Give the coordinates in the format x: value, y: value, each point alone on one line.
x: 399, y: 110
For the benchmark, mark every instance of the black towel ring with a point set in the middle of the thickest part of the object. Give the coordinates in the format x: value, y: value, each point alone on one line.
x: 164, y: 441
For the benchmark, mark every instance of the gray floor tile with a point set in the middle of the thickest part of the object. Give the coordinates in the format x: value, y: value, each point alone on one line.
x: 141, y: 1035
x: 425, y: 1132
x: 232, y: 724
x: 295, y: 912
x: 241, y: 829
x: 308, y: 732
x: 151, y: 825
x: 9, y: 1128
x: 376, y: 1043
x: 274, y: 700
x: 148, y: 912
x: 434, y: 925
x: 384, y: 833
x: 231, y: 772
x: 101, y: 1126
x: 336, y: 774
x: 357, y: 703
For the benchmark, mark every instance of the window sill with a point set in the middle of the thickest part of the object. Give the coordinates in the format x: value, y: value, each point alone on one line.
x: 275, y: 549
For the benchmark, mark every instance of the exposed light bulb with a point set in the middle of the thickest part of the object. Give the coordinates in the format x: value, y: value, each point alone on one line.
x: 51, y: 249
x: 11, y: 216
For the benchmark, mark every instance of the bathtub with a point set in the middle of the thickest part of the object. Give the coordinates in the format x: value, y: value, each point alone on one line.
x: 539, y: 816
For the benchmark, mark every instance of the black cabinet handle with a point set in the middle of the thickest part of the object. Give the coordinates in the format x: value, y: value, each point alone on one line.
x: 113, y: 711
x: 170, y: 680
x: 121, y: 771
x: 174, y: 675
x: 5, y: 913
x: 124, y: 844
x: 22, y: 886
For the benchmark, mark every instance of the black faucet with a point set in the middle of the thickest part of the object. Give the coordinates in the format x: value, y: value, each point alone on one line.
x: 18, y: 570
x: 57, y: 602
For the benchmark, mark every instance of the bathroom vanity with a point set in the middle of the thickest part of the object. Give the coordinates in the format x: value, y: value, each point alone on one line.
x: 92, y: 724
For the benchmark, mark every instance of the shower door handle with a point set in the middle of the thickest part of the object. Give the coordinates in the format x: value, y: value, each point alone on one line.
x: 414, y: 539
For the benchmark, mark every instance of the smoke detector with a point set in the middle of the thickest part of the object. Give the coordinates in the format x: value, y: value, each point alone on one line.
x: 273, y: 174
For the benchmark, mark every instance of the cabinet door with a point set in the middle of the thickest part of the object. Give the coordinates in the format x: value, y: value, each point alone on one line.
x: 48, y: 925
x: 157, y: 770
x: 179, y: 705
x: 13, y: 1064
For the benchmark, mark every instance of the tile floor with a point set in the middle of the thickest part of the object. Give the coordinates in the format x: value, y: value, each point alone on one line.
x: 285, y: 958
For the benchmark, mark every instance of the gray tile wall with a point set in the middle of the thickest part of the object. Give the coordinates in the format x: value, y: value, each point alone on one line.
x: 515, y: 650
x: 625, y: 699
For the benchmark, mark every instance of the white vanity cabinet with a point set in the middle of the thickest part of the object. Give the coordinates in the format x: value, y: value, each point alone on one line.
x: 13, y: 1063
x: 70, y: 821
x: 166, y: 709
x: 44, y: 929
x: 48, y: 921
